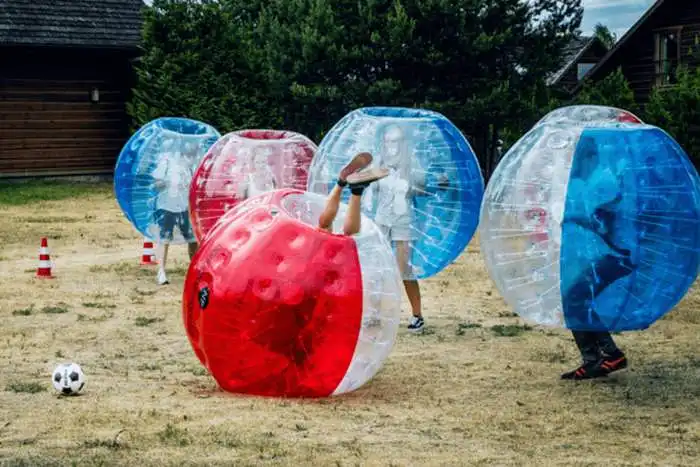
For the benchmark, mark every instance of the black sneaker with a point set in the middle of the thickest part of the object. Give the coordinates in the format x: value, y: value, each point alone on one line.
x: 417, y: 324
x: 588, y: 370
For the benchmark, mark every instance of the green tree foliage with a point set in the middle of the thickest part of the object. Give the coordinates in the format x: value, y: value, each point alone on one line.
x: 603, y: 33
x: 614, y: 90
x: 472, y: 60
x: 303, y: 64
x: 193, y: 64
x: 676, y: 109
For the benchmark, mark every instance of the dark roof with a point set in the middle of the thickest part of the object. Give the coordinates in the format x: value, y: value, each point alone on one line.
x: 75, y: 23
x: 630, y: 32
x: 576, y: 48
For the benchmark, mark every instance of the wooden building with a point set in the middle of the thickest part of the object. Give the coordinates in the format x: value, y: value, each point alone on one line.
x: 65, y: 76
x: 668, y: 34
x: 579, y: 59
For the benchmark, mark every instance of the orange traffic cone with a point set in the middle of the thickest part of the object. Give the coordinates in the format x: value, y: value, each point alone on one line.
x: 148, y: 258
x: 44, y: 270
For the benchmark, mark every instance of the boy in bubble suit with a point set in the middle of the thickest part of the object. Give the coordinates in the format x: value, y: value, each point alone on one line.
x: 606, y: 230
x: 172, y: 177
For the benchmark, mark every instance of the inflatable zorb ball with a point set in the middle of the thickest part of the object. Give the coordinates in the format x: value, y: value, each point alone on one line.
x: 588, y: 115
x: 274, y: 306
x: 153, y: 173
x: 428, y: 206
x: 244, y: 164
x: 593, y: 227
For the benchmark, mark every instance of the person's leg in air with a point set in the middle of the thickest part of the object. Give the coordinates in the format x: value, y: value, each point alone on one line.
x: 359, y: 162
x: 600, y: 354
x: 357, y: 182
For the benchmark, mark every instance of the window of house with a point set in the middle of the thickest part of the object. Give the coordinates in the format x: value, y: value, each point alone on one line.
x: 583, y: 68
x: 667, y: 56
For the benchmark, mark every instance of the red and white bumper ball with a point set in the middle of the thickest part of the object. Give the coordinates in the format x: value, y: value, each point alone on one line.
x: 243, y: 164
x: 274, y: 306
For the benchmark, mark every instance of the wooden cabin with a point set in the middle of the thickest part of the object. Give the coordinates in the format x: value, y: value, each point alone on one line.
x: 580, y: 57
x: 668, y: 34
x: 65, y: 77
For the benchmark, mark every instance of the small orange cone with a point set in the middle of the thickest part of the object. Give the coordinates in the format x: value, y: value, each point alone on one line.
x: 44, y: 270
x: 148, y: 258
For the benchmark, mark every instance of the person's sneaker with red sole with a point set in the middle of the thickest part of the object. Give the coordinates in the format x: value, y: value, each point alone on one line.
x: 589, y: 370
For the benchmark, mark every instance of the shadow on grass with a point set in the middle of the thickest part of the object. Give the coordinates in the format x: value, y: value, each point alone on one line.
x: 658, y: 383
x: 655, y: 385
x: 30, y: 191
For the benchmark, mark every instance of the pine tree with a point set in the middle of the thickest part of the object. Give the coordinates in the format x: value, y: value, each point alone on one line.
x: 194, y: 65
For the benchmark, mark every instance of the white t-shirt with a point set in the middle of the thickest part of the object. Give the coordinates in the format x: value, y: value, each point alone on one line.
x: 395, y: 197
x: 177, y: 174
x: 256, y: 187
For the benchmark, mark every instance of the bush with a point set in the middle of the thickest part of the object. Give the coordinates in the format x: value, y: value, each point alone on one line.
x: 613, y: 91
x: 676, y: 109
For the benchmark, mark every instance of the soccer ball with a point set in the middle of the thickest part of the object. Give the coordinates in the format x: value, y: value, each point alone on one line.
x: 68, y: 379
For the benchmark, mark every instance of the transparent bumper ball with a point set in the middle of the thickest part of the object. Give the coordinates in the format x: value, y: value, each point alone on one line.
x: 153, y: 175
x: 244, y: 164
x: 428, y: 206
x: 593, y: 227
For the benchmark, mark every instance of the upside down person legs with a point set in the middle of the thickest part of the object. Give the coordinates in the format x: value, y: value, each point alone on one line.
x: 355, y: 177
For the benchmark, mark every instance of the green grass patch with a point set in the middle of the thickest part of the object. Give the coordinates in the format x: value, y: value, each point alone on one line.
x: 33, y: 191
x: 510, y: 330
x: 48, y: 220
x: 149, y: 367
x: 462, y: 327
x: 56, y: 309
x: 25, y: 387
x: 175, y: 436
x: 144, y: 321
x: 99, y: 305
x: 123, y: 268
x: 145, y: 293
x: 23, y: 311
x: 95, y: 319
x: 199, y: 371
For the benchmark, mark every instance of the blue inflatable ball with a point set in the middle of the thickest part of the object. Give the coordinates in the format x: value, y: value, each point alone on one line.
x: 428, y: 207
x: 153, y: 174
x: 593, y: 227
x: 589, y: 114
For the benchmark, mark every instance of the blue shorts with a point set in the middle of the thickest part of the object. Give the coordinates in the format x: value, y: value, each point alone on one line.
x: 167, y: 220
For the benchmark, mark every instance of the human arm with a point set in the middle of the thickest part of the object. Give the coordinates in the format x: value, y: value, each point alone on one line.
x: 158, y: 174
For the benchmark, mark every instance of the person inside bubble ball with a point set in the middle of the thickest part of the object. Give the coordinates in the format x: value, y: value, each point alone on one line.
x: 260, y: 179
x: 357, y: 176
x: 607, y: 232
x: 395, y: 210
x: 172, y: 177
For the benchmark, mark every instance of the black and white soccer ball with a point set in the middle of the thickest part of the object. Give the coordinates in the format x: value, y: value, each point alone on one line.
x: 68, y: 379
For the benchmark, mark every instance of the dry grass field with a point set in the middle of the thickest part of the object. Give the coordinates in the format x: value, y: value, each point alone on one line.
x: 477, y: 388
